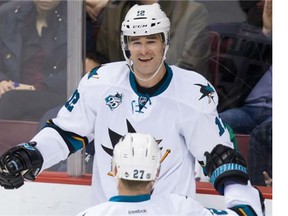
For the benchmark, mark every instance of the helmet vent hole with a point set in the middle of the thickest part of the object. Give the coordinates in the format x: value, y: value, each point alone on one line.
x: 138, y: 18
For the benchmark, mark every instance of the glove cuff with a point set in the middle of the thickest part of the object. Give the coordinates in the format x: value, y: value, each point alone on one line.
x: 227, y: 167
x: 229, y: 173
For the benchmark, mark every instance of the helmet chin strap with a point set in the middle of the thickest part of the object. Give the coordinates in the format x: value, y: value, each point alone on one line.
x: 155, y: 73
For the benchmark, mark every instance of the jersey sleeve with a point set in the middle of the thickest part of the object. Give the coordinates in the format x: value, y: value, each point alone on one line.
x: 73, y: 127
x: 203, y: 129
x: 238, y: 206
x: 241, y: 198
x: 78, y: 114
x: 207, y: 132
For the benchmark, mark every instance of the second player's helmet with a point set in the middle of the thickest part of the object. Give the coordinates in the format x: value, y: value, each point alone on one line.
x: 137, y: 157
x: 145, y: 20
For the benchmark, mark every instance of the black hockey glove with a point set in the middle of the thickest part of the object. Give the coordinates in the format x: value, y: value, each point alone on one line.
x: 225, y: 165
x: 21, y: 162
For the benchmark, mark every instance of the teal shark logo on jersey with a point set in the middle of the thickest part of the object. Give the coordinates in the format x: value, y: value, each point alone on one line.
x: 113, y: 101
x: 207, y: 91
x: 93, y: 73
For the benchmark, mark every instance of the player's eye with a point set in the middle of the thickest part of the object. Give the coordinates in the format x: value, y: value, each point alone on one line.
x: 151, y: 41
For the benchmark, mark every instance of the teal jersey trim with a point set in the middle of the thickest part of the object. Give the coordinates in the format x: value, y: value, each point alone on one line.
x: 136, y: 198
x: 73, y: 141
x: 244, y: 210
x: 162, y: 88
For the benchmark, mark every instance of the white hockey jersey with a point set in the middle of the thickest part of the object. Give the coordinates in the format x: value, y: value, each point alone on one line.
x: 240, y: 200
x: 181, y: 114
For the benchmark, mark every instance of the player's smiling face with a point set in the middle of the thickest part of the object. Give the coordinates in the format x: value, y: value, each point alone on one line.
x: 146, y: 54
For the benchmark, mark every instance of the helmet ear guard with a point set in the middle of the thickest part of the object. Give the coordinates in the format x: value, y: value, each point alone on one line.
x: 136, y: 157
x: 125, y: 50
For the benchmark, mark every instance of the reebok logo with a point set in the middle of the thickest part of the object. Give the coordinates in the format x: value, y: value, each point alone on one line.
x: 138, y: 211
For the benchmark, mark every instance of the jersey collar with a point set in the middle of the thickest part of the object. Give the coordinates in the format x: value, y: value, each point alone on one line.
x: 136, y: 198
x: 159, y: 90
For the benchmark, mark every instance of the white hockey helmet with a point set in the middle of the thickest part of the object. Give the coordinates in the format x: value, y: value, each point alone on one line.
x: 144, y: 20
x: 136, y: 157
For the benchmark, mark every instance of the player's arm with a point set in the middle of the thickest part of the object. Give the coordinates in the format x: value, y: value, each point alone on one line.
x: 25, y: 161
x: 227, y: 170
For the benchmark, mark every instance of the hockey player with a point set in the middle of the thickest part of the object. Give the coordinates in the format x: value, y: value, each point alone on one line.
x: 142, y: 94
x: 136, y: 165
